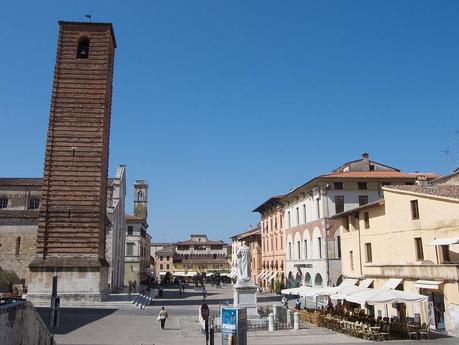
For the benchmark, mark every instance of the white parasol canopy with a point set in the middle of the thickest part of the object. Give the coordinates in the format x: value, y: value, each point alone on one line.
x: 384, y: 296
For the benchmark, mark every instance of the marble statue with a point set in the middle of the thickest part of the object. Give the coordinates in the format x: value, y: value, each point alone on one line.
x: 243, y: 255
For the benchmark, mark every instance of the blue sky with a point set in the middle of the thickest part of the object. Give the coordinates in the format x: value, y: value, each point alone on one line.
x: 221, y: 104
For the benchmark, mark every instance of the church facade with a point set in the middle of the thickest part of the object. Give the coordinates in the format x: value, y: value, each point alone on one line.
x: 20, y: 201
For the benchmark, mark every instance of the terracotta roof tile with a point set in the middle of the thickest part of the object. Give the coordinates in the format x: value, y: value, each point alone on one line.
x: 190, y: 242
x: 165, y: 251
x: 446, y: 191
x: 268, y: 203
x: 379, y: 174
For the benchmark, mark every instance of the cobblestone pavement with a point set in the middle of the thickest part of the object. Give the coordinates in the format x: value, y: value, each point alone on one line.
x: 127, y: 325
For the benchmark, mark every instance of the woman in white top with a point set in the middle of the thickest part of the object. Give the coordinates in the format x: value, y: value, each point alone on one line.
x: 162, y: 316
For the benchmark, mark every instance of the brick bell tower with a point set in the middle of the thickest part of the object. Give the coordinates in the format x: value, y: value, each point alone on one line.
x: 72, y: 216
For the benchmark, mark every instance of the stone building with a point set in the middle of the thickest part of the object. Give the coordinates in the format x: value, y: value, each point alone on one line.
x: 313, y: 250
x: 252, y: 238
x: 19, y: 203
x: 199, y: 255
x: 20, y: 199
x: 154, y: 248
x: 165, y: 261
x: 190, y: 257
x: 409, y: 240
x: 116, y: 234
x: 272, y: 242
x: 138, y: 241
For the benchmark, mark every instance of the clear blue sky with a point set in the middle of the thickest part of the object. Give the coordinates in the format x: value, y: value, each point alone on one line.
x: 220, y: 104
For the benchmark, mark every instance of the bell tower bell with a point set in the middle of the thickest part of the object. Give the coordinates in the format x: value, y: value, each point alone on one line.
x: 141, y: 199
x: 72, y: 217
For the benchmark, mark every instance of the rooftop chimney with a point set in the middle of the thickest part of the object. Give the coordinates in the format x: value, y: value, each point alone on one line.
x: 365, y: 162
x: 421, y: 180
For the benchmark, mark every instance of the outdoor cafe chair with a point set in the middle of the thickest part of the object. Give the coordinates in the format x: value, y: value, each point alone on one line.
x: 366, y: 332
x: 424, y: 331
x: 385, y: 331
x: 359, y: 331
x: 412, y: 331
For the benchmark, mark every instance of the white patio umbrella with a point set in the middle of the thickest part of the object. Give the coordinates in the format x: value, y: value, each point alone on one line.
x: 319, y: 291
x: 382, y: 296
x: 293, y: 291
x: 395, y: 296
x: 347, y: 290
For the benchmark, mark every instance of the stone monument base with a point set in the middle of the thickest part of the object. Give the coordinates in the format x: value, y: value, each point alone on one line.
x: 245, y: 296
x: 78, y: 279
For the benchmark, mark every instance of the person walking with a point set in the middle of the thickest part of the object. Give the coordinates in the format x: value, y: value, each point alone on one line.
x: 162, y: 316
x: 204, y: 293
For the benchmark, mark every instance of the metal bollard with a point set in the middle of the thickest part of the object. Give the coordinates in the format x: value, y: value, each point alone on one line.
x: 212, y: 332
x: 289, y: 318
x: 276, y: 310
x: 271, y: 322
x: 296, y: 321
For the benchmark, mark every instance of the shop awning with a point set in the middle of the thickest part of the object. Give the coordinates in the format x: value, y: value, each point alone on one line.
x: 366, y: 283
x: 191, y: 273
x: 180, y: 274
x: 233, y: 274
x: 392, y: 283
x: 272, y: 276
x: 261, y: 274
x: 224, y: 274
x: 162, y: 273
x: 427, y: 284
x: 349, y: 281
x: 445, y: 241
x: 264, y: 276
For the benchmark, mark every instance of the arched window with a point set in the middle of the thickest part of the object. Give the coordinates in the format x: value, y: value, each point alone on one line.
x: 308, y: 279
x: 318, y: 280
x: 140, y: 197
x: 298, y: 278
x: 290, y: 280
x: 83, y: 48
x: 34, y: 203
x: 3, y: 202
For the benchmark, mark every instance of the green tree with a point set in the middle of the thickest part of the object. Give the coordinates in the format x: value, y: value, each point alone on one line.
x: 278, y: 286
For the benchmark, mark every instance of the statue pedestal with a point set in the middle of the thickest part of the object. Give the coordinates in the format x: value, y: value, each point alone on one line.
x: 245, y: 296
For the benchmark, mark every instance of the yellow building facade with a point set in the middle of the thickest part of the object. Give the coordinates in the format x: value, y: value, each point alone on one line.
x: 408, y: 241
x: 272, y: 243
